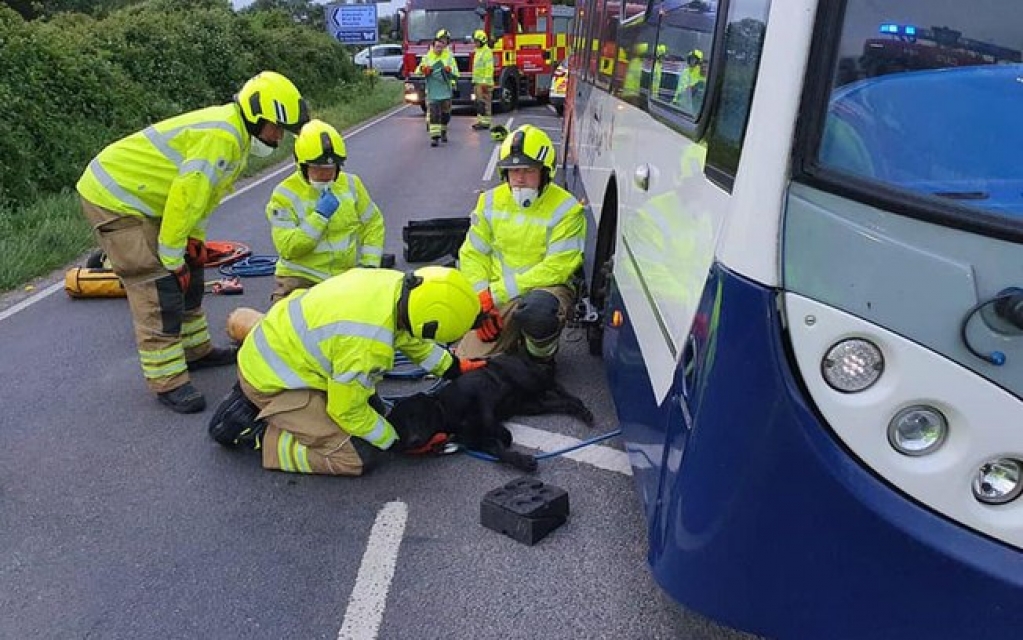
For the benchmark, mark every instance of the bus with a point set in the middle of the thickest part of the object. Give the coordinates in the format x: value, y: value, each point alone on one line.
x: 805, y: 275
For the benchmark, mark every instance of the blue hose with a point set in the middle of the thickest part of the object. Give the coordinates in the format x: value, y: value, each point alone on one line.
x: 551, y: 454
x: 250, y: 267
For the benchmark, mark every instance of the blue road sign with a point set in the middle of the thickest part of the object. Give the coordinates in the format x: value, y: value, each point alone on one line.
x: 353, y: 23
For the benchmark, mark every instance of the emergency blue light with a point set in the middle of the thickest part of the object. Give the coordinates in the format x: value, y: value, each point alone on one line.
x: 910, y: 30
x: 889, y: 28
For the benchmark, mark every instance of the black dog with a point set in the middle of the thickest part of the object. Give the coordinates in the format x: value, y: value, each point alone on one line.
x: 472, y: 407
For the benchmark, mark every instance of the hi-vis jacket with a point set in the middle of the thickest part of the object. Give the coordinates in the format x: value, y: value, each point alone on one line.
x: 438, y: 84
x: 483, y: 65
x: 177, y: 171
x: 315, y: 248
x: 339, y: 337
x: 512, y: 250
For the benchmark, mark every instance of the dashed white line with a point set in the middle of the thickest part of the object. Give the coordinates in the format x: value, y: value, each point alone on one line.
x: 48, y: 291
x: 369, y: 596
x: 606, y: 458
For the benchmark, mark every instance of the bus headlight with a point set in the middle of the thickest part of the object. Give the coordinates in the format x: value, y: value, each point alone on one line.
x: 917, y: 430
x: 852, y: 365
x: 998, y: 481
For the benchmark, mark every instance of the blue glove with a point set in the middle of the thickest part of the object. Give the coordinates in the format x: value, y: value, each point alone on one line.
x: 327, y: 204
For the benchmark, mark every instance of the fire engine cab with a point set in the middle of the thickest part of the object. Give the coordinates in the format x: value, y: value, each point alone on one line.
x: 530, y: 38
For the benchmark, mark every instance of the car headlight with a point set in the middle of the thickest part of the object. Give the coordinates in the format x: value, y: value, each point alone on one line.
x: 852, y: 365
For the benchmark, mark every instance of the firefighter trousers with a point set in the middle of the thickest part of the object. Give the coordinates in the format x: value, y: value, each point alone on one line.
x: 284, y: 285
x: 170, y: 326
x: 300, y: 436
x: 511, y: 339
x: 439, y: 114
x: 484, y: 103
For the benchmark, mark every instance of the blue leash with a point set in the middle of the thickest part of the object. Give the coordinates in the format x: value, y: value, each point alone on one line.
x: 250, y: 267
x: 551, y: 454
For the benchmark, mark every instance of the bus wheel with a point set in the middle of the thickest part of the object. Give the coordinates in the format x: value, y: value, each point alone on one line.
x: 603, y: 266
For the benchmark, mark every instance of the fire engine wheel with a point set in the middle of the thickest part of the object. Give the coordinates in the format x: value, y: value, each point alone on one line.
x: 508, y: 97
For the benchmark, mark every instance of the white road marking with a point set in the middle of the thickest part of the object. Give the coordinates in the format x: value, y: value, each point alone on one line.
x: 607, y: 458
x: 48, y: 291
x: 369, y: 596
x: 488, y: 173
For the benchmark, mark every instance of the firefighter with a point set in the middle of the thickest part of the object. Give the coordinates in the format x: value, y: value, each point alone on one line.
x: 441, y: 71
x: 148, y: 197
x: 691, y: 83
x: 322, y: 219
x: 307, y: 372
x: 482, y: 79
x: 523, y: 249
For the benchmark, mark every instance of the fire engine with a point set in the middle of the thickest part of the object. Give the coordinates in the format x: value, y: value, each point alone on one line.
x: 530, y: 38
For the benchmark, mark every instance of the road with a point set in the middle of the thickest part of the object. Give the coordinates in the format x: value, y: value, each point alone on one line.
x: 121, y: 519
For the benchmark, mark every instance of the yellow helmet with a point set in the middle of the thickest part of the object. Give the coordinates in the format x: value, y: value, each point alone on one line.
x: 319, y: 143
x: 480, y: 36
x: 440, y: 303
x: 694, y: 57
x: 272, y: 97
x: 498, y: 132
x: 527, y: 146
x: 443, y: 34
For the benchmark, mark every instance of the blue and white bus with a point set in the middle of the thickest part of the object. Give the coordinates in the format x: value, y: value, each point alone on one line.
x: 807, y: 254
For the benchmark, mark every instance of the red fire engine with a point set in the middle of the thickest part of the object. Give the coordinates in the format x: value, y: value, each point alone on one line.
x: 530, y: 38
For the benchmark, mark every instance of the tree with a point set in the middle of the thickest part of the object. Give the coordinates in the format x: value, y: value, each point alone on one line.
x: 303, y: 12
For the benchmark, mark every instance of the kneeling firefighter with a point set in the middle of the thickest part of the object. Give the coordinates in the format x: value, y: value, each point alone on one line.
x: 307, y: 372
x: 522, y: 251
x: 322, y: 219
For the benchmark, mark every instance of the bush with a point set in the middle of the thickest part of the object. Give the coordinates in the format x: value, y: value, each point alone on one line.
x: 77, y: 83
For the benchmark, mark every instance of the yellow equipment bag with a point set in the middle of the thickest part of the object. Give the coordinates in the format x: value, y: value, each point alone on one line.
x: 82, y: 282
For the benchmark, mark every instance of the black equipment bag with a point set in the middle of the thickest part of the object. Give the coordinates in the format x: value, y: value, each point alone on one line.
x: 428, y: 240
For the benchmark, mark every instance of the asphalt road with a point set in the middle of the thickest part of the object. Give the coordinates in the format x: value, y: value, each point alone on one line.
x: 120, y: 519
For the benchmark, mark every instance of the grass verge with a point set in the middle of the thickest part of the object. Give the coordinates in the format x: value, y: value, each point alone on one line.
x: 51, y: 232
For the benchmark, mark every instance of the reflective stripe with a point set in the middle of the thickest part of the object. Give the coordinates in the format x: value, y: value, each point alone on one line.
x: 367, y: 213
x: 118, y: 192
x: 372, y: 251
x: 165, y: 372
x: 163, y: 363
x: 281, y: 369
x: 195, y: 333
x: 162, y: 144
x: 381, y: 437
x: 310, y: 340
x: 355, y: 376
x: 294, y: 266
x: 510, y: 285
x: 436, y: 356
x: 302, y: 458
x: 571, y: 244
x: 202, y: 166
x: 171, y: 257
x: 331, y: 246
x: 478, y: 243
x: 480, y: 285
x: 285, y: 452
x: 300, y: 206
x: 559, y: 214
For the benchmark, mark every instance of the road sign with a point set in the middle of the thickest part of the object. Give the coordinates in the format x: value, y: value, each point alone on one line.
x: 353, y: 23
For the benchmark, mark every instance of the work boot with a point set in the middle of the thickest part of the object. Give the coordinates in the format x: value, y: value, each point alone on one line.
x: 217, y: 357
x: 443, y: 136
x: 184, y: 399
x: 434, y: 141
x: 236, y: 421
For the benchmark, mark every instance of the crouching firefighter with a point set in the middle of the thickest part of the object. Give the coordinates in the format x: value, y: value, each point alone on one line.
x: 522, y: 251
x: 148, y: 198
x: 482, y: 79
x: 307, y: 373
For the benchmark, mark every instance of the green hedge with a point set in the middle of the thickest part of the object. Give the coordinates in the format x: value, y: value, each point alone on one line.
x: 73, y: 84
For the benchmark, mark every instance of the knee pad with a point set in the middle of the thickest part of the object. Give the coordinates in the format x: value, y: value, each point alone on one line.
x: 538, y: 315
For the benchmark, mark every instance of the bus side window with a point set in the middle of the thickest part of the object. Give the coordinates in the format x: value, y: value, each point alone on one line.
x: 678, y: 77
x: 744, y: 42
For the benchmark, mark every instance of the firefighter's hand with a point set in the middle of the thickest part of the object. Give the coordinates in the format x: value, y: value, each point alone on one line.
x: 427, y: 70
x: 327, y: 204
x: 489, y: 326
x: 447, y: 70
x: 184, y: 277
x: 195, y: 253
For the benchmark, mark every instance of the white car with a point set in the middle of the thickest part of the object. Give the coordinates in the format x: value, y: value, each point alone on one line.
x: 386, y: 59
